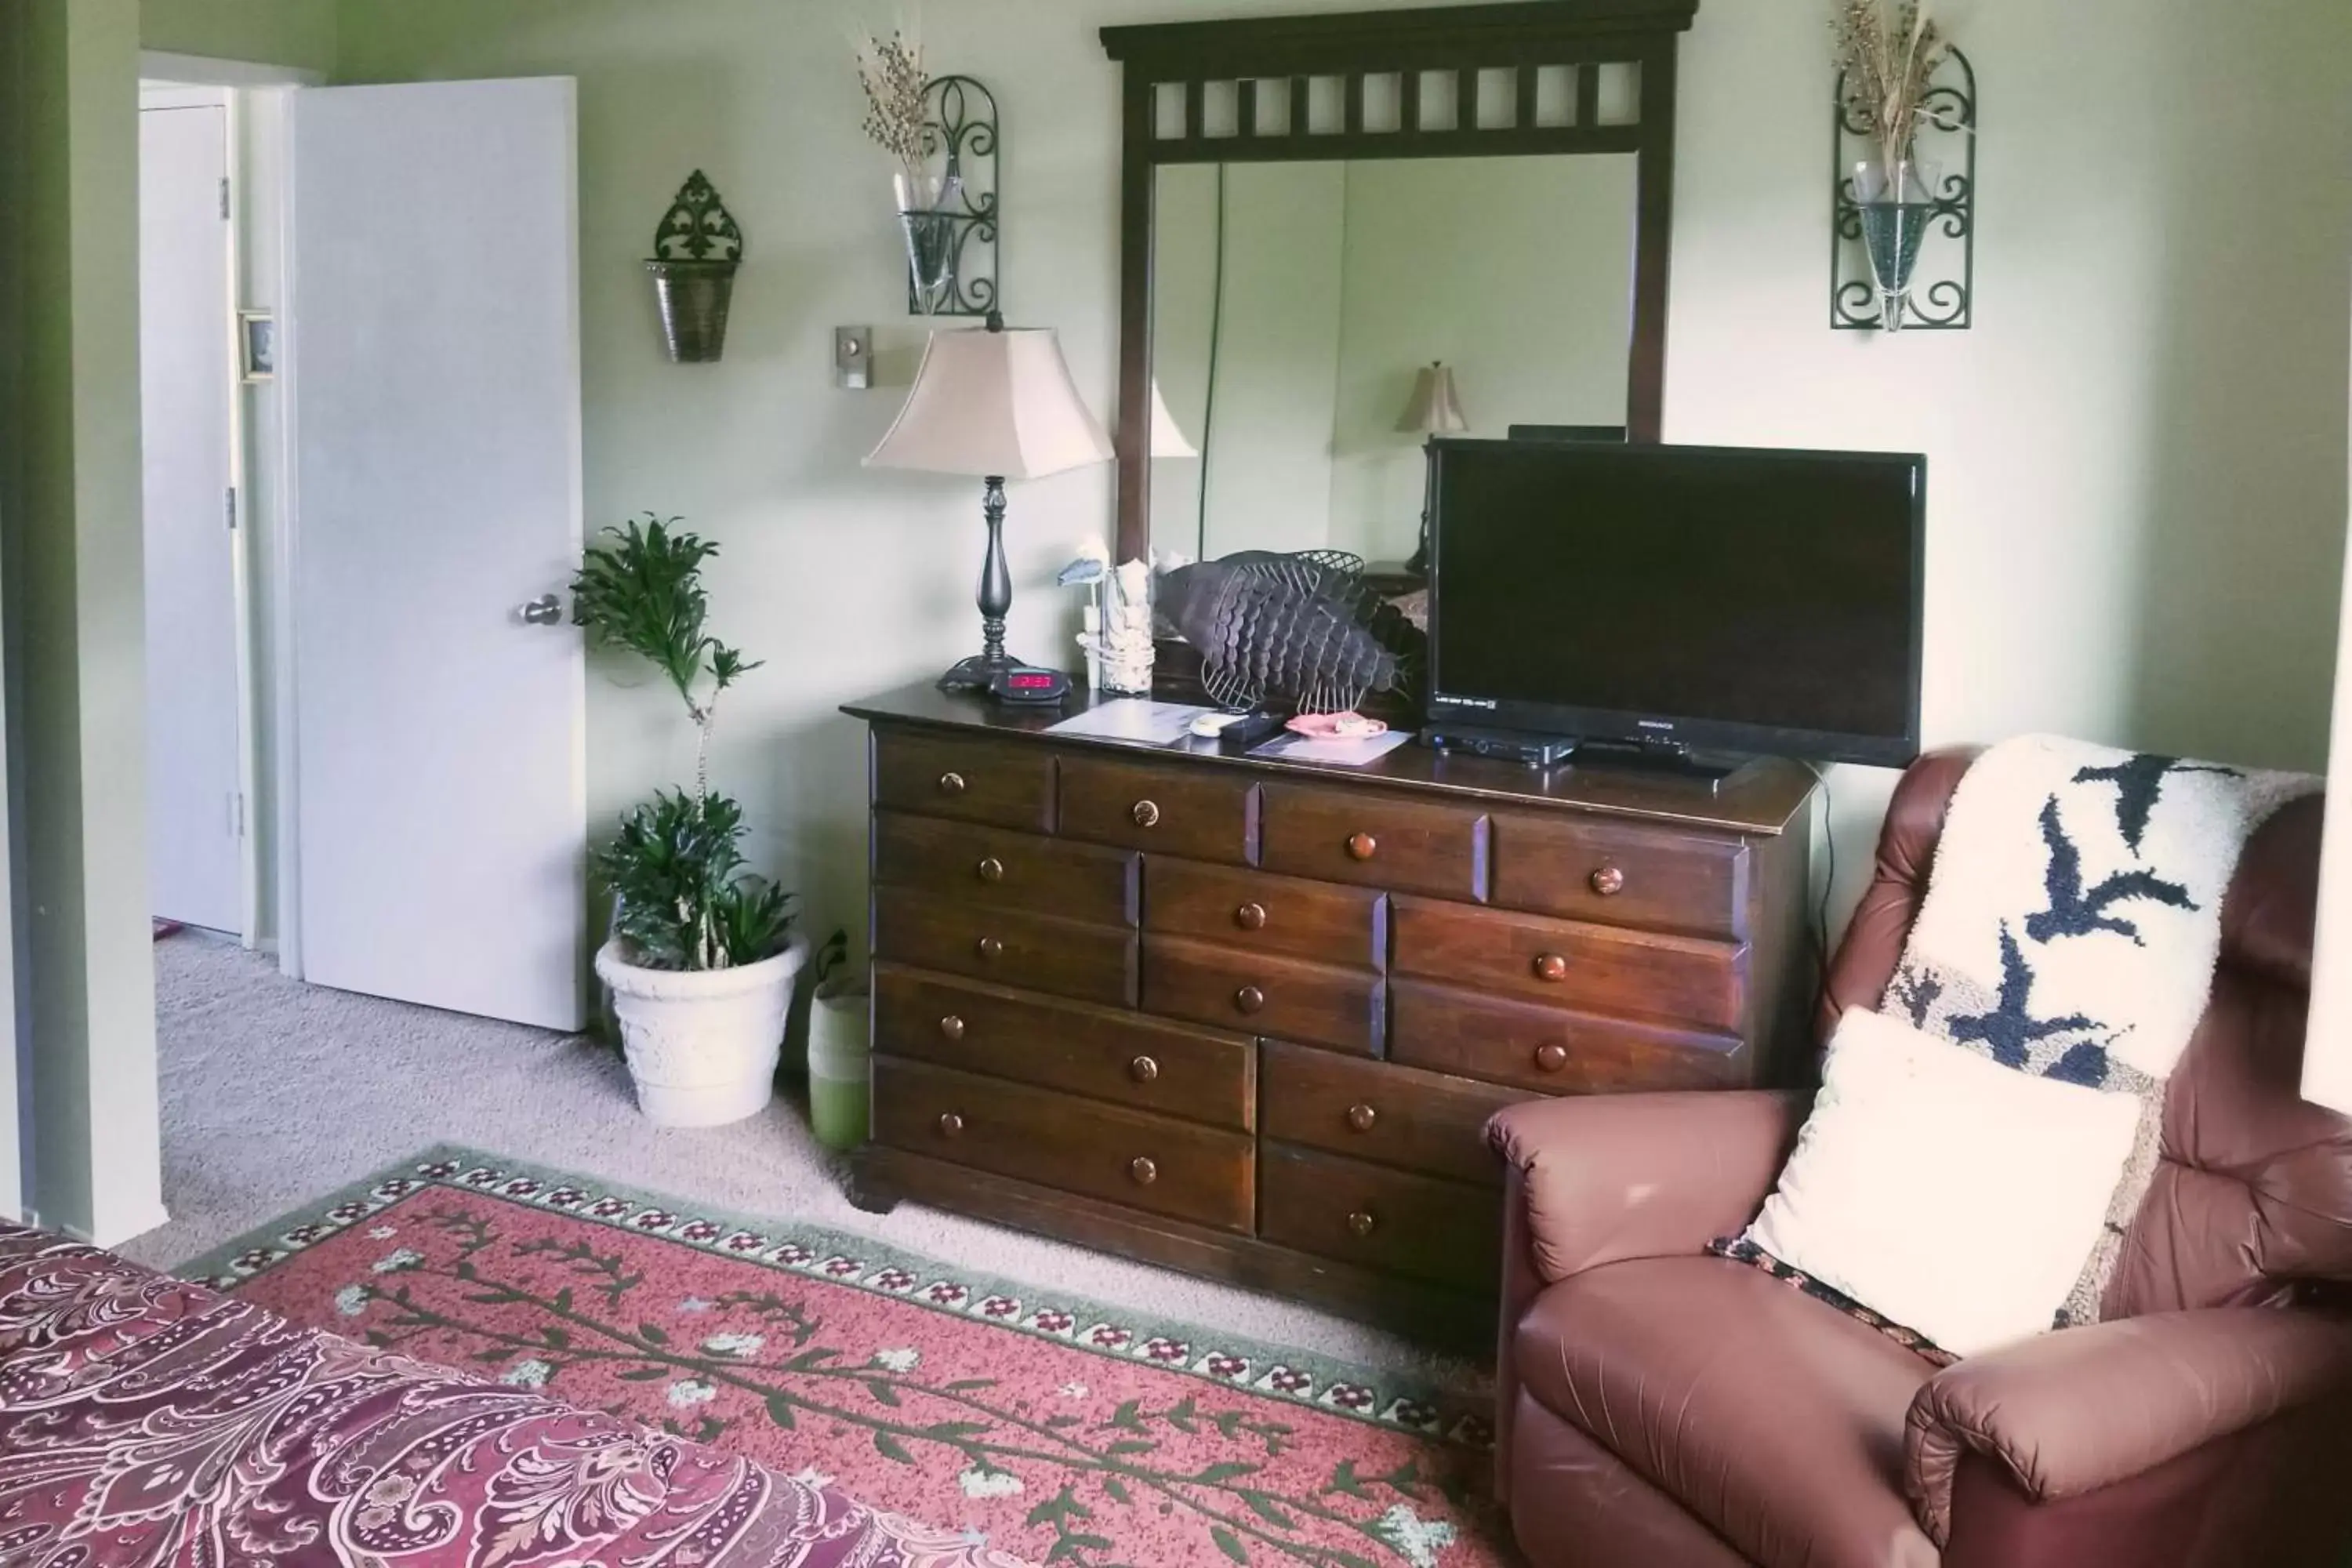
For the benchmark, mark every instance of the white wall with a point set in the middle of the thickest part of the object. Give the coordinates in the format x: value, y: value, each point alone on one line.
x: 2137, y: 458
x: 1518, y: 272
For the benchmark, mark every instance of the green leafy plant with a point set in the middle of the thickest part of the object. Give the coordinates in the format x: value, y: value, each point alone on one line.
x: 643, y: 593
x: 676, y: 869
x: 685, y: 901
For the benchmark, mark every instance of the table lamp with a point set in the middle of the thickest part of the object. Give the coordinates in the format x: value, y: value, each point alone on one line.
x: 1435, y: 410
x: 997, y: 404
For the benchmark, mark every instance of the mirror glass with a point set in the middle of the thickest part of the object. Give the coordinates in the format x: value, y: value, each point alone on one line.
x: 1295, y: 307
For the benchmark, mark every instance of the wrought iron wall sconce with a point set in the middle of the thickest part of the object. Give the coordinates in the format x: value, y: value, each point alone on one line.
x: 1887, y: 269
x: 696, y: 252
x: 953, y: 267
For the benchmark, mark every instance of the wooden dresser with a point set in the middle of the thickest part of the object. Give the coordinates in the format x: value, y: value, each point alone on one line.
x: 1247, y: 1018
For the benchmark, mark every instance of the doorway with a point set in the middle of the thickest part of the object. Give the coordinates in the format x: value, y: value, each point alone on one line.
x: 198, y: 719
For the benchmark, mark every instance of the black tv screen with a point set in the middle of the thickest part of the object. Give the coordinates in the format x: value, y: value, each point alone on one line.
x: 1734, y: 598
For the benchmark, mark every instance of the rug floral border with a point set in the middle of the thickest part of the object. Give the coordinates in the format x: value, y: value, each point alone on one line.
x: 1359, y: 1393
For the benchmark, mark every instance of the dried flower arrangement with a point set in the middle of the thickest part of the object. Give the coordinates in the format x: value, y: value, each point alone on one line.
x: 1888, y: 55
x: 897, y: 107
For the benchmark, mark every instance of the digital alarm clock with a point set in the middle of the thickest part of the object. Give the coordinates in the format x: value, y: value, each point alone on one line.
x: 1022, y: 685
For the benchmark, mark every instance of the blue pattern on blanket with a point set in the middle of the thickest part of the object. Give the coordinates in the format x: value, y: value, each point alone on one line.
x: 2077, y: 939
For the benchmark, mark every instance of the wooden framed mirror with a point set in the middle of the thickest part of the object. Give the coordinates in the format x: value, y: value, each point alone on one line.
x: 1315, y: 210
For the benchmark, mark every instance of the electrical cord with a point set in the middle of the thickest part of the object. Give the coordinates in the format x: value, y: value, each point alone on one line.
x: 1829, y: 876
x: 1209, y: 399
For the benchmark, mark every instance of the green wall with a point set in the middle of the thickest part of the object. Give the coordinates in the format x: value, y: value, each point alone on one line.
x: 70, y: 496
x: 1341, y: 280
x: 69, y: 553
x: 1277, y: 341
x: 1518, y: 272
x: 2137, y: 458
x: 300, y: 33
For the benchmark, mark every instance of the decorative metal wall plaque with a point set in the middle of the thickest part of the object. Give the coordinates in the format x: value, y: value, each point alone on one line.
x: 696, y: 252
x: 1903, y: 249
x: 954, y: 268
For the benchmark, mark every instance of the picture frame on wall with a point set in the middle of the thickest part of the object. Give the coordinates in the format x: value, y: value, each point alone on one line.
x: 256, y: 345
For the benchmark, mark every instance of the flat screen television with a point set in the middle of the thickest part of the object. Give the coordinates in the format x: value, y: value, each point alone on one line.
x: 1723, y: 598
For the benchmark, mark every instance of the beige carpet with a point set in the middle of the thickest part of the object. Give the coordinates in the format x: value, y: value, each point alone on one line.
x: 276, y: 1092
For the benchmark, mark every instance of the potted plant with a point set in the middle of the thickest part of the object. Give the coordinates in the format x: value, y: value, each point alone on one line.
x: 703, y: 956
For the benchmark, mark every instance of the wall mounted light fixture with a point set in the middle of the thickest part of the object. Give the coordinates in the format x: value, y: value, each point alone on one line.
x: 1894, y: 214
x: 952, y: 224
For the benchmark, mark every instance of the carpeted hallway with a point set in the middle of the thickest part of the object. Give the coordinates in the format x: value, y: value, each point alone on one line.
x: 275, y: 1093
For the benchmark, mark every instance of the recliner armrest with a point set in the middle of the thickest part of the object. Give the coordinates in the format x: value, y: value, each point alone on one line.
x: 1616, y: 1176
x: 2069, y: 1412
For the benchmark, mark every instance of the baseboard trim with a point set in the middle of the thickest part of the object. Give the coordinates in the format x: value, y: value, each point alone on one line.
x: 115, y: 1236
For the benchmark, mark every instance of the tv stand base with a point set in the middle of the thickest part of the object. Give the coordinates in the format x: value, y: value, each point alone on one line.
x: 1660, y: 757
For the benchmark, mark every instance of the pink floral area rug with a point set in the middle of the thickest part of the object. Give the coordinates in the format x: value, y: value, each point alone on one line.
x: 1052, y: 1428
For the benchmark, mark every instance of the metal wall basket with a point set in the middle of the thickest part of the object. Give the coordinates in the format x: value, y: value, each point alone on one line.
x: 696, y: 251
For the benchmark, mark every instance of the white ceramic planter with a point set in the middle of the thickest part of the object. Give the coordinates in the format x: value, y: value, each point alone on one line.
x: 701, y: 1044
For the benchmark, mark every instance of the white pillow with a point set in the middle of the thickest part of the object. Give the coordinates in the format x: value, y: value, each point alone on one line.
x: 1952, y: 1194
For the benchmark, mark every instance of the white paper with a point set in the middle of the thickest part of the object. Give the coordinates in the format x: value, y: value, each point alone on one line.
x: 1294, y: 748
x: 1135, y: 719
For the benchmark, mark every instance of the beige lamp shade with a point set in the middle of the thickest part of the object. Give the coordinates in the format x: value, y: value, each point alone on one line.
x: 1435, y: 409
x: 993, y: 404
x: 1168, y: 438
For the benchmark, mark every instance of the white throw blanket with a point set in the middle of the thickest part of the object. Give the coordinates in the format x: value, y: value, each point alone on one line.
x: 2072, y: 924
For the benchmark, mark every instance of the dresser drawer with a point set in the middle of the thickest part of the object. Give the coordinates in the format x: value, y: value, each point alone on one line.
x: 1553, y: 1051
x: 1037, y: 953
x: 1178, y: 1168
x: 982, y: 865
x: 1450, y: 1232
x: 1567, y: 963
x: 1287, y: 997
x: 972, y: 781
x: 1381, y: 841
x: 1377, y: 1112
x: 1202, y: 812
x: 1122, y: 1056
x: 1594, y: 870
x: 1265, y: 914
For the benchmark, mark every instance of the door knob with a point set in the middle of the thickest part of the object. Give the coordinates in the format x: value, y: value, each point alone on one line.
x: 547, y: 610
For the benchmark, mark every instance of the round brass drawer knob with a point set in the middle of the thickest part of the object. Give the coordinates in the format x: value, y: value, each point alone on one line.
x: 1551, y: 1057
x: 951, y: 784
x: 1250, y: 917
x: 950, y: 1124
x: 1143, y: 1070
x: 990, y: 948
x: 1361, y: 1222
x: 1361, y: 1117
x: 991, y: 869
x: 1142, y: 1169
x: 1608, y: 881
x: 1361, y: 846
x: 1146, y: 812
x: 1552, y: 967
x: 1249, y: 999
x: 951, y: 1027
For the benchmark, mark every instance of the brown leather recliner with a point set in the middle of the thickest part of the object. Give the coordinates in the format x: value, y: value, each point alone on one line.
x: 1662, y: 1406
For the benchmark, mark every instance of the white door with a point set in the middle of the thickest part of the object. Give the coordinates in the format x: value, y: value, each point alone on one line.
x: 194, y: 817
x: 433, y: 342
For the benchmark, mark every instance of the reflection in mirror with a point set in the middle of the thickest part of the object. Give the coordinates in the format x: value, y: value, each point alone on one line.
x: 1296, y: 307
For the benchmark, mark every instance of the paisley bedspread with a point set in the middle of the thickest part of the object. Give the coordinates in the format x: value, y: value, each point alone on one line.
x: 149, y: 1422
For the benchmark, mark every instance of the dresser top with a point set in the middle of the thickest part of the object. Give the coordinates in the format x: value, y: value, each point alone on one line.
x: 1761, y: 798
